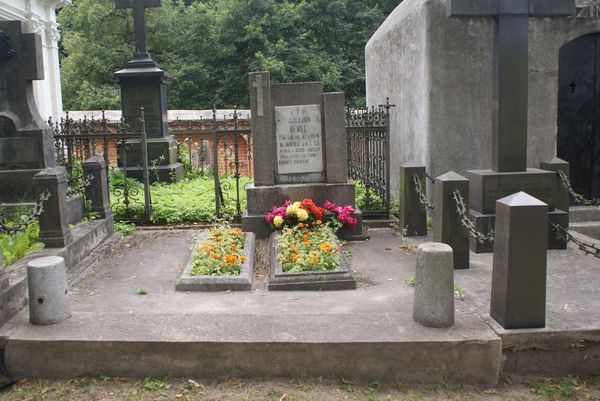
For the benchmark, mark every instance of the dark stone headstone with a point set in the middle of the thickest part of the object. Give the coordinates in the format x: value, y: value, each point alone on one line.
x: 447, y: 226
x: 412, y: 214
x: 26, y: 141
x: 518, y: 297
x: 143, y: 85
x: 54, y: 230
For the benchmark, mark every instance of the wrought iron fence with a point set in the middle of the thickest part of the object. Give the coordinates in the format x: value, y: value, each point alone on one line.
x: 224, y: 152
x: 368, y: 147
x: 76, y: 141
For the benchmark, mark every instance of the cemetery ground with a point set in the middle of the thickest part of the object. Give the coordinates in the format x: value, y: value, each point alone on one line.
x: 128, y: 321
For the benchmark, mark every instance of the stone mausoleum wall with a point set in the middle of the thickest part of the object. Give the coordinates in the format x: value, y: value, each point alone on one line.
x: 438, y: 73
x: 40, y: 18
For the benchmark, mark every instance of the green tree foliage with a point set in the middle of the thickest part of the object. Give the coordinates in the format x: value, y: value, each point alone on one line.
x: 207, y: 47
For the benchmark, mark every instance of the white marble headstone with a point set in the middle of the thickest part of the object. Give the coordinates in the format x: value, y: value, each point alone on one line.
x: 299, y: 142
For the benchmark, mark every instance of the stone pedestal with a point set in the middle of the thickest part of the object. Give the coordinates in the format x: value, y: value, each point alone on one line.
x: 97, y: 192
x: 412, y: 215
x: 54, y: 230
x: 487, y: 186
x: 434, y: 286
x: 48, y: 291
x: 518, y: 297
x: 447, y: 226
x: 143, y: 85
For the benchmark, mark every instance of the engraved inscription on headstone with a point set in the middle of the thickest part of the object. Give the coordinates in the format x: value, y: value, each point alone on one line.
x: 299, y: 143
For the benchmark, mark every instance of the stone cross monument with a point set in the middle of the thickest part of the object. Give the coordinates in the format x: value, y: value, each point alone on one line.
x: 141, y: 55
x: 509, y: 173
x: 26, y: 141
x: 143, y: 85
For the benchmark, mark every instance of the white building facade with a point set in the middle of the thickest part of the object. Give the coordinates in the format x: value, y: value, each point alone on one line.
x: 40, y: 17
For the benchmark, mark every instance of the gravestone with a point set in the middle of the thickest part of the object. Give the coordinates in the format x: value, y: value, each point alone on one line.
x: 299, y: 151
x: 509, y: 172
x: 26, y: 141
x: 143, y: 85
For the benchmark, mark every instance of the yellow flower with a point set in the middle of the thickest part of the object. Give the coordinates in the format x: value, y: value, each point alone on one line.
x: 292, y: 209
x: 278, y: 221
x: 302, y: 214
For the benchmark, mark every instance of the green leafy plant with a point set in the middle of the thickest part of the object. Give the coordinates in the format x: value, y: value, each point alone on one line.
x: 306, y: 248
x: 142, y: 291
x: 15, y: 246
x: 124, y: 227
x: 221, y: 253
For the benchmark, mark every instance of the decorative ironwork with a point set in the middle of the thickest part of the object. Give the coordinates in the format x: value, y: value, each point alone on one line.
x: 421, y: 193
x: 76, y: 141
x: 462, y: 211
x: 228, y: 162
x: 564, y: 234
x: 368, y: 154
x: 577, y: 197
x: 38, y: 209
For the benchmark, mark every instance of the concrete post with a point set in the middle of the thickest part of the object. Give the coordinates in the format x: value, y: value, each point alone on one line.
x: 54, y: 230
x: 434, y: 286
x: 48, y: 291
x: 412, y: 215
x: 447, y: 227
x: 519, y: 274
x: 94, y: 168
x: 560, y: 214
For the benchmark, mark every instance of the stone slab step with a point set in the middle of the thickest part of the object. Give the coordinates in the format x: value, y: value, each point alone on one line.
x: 590, y: 229
x: 360, y: 346
x: 584, y: 213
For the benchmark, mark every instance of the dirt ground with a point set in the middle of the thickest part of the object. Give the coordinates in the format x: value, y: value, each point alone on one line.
x: 113, y: 389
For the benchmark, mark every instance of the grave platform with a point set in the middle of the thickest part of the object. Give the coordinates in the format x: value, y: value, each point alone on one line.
x: 363, y: 334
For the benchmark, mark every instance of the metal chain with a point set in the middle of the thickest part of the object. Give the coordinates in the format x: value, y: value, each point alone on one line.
x: 430, y: 178
x: 579, y: 198
x: 564, y: 234
x: 38, y: 209
x: 422, y: 197
x: 461, y: 209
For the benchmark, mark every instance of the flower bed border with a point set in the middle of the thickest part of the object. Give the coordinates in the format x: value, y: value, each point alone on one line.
x: 339, y: 279
x: 241, y: 282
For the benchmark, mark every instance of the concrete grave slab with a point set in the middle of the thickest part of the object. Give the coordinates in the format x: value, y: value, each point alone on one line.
x: 242, y: 282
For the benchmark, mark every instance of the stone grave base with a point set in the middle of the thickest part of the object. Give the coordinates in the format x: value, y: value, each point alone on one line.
x: 243, y: 282
x: 368, y: 334
x: 484, y: 223
x: 339, y: 279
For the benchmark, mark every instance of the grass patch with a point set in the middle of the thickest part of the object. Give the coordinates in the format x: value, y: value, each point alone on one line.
x: 15, y: 246
x: 188, y: 201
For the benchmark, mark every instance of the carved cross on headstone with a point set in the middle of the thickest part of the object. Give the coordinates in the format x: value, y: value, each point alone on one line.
x: 511, y: 46
x: 259, y: 84
x: 139, y: 22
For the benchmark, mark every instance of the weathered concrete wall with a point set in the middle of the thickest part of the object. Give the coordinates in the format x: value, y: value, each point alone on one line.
x: 396, y: 68
x: 438, y: 72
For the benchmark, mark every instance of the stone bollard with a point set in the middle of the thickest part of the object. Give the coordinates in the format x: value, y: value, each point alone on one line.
x: 48, y: 299
x: 94, y: 168
x: 518, y: 298
x: 447, y: 226
x: 54, y: 230
x: 560, y: 214
x: 412, y: 215
x: 434, y: 286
